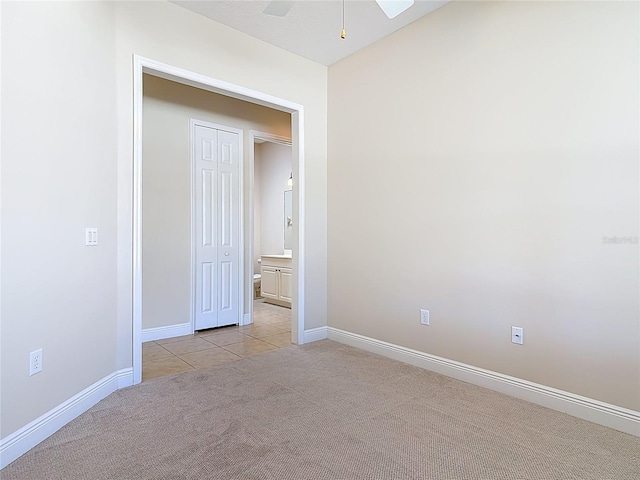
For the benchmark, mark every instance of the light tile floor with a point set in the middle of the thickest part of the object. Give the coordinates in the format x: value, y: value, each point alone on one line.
x: 271, y: 329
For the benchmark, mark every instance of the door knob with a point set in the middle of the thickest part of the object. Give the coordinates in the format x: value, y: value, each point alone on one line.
x: 226, y: 254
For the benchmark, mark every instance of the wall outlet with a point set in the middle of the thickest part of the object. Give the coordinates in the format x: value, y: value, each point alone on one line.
x: 35, y: 362
x: 424, y: 317
x: 517, y: 335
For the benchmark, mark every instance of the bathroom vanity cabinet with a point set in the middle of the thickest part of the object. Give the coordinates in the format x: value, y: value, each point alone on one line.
x: 276, y: 282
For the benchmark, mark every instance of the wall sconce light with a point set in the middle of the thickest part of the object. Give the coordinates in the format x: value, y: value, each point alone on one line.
x: 290, y: 181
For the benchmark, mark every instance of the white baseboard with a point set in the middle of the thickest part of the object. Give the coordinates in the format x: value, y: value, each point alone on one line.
x: 35, y: 432
x: 612, y: 416
x: 315, y: 334
x: 125, y: 377
x: 170, y: 331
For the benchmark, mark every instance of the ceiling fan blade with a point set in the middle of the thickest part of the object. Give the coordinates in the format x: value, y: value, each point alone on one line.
x: 279, y: 8
x: 393, y: 8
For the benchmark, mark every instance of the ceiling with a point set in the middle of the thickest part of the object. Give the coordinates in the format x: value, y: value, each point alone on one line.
x: 312, y: 28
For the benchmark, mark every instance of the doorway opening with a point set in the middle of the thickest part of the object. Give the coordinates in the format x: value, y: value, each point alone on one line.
x: 168, y: 72
x: 270, y: 165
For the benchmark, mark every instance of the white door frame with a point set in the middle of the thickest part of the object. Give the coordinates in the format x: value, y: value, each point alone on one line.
x: 241, y: 244
x: 145, y: 65
x: 253, y: 136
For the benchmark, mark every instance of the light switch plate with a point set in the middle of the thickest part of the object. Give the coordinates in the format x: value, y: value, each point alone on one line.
x: 91, y: 236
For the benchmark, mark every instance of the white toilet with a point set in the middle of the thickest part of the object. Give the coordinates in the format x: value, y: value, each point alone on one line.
x: 256, y: 285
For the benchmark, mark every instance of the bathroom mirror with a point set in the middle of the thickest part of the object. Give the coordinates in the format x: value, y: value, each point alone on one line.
x: 288, y: 221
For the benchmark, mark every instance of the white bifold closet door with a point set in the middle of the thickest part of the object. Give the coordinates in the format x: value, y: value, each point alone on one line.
x: 217, y: 227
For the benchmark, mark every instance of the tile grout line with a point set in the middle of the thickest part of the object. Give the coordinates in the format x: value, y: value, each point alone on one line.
x: 268, y: 317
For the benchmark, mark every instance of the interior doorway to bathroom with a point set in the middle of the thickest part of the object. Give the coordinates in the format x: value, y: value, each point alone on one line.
x: 272, y: 247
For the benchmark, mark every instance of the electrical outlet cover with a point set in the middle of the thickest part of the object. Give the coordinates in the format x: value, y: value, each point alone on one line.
x: 517, y: 335
x: 35, y: 362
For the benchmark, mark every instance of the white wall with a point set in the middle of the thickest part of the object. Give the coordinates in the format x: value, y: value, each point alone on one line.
x: 166, y: 188
x: 58, y: 177
x: 505, y: 147
x: 275, y: 167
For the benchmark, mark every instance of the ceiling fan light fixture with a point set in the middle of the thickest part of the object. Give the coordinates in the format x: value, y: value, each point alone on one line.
x: 393, y: 8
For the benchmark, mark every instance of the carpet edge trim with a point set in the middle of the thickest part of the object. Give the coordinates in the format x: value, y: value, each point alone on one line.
x: 24, y: 439
x: 608, y: 415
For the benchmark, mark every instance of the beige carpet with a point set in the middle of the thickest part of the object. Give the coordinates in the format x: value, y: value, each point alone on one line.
x: 324, y: 411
